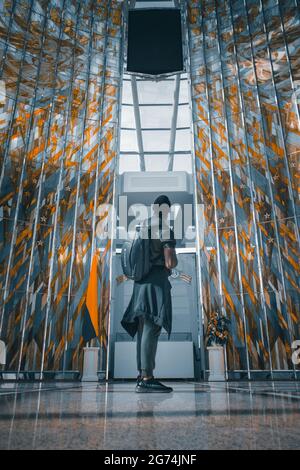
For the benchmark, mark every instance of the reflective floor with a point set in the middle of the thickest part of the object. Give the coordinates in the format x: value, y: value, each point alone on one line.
x: 241, y: 415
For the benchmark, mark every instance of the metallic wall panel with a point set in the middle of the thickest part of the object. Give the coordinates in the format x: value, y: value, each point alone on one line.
x: 244, y: 65
x: 61, y: 66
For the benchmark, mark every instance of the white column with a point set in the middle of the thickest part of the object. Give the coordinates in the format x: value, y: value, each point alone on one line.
x: 2, y: 353
x: 90, y: 364
x: 216, y: 363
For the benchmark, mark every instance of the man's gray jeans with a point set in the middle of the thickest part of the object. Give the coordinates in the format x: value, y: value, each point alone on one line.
x: 147, y: 338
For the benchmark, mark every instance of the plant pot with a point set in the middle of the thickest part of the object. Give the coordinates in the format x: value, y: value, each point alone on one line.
x: 216, y: 364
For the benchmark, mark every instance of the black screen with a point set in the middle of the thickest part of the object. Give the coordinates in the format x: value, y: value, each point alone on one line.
x: 154, y: 41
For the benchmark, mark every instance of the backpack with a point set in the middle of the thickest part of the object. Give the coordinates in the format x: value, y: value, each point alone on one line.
x: 135, y: 255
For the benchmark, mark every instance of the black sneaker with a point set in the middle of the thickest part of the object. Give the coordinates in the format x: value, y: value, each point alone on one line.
x: 138, y: 379
x: 152, y: 386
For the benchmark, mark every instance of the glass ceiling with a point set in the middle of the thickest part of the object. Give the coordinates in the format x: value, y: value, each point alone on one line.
x: 155, y: 125
x: 155, y: 120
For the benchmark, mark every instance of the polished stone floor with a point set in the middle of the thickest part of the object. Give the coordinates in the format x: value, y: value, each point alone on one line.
x: 197, y: 415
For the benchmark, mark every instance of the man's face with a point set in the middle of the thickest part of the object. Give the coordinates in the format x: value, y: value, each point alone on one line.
x: 162, y: 209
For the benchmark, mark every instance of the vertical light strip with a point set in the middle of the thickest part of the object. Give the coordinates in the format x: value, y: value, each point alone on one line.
x: 13, y: 114
x: 138, y: 126
x: 66, y: 322
x: 291, y: 194
x: 11, y: 18
x: 200, y: 316
x: 116, y: 176
x: 40, y: 184
x: 287, y: 51
x: 99, y: 156
x: 243, y: 114
x: 102, y: 98
x: 221, y: 300
x: 212, y: 162
x: 34, y: 238
x: 73, y: 245
x: 229, y: 152
x: 20, y: 188
x: 174, y: 122
x: 61, y: 170
x: 268, y: 169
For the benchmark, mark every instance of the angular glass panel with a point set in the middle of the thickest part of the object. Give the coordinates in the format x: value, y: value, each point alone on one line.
x: 156, y: 116
x: 156, y: 92
x: 183, y: 117
x: 129, y: 163
x: 183, y: 140
x: 182, y: 162
x: 127, y: 117
x: 128, y: 141
x: 156, y: 141
x: 156, y: 162
x: 127, y: 92
x: 183, y: 92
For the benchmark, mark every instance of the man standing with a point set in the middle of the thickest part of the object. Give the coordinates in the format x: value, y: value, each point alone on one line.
x: 150, y: 307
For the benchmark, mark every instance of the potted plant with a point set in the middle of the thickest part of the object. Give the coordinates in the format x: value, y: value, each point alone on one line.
x: 217, y: 336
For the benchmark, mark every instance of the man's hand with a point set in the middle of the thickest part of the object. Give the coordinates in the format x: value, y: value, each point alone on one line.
x: 170, y: 258
x: 121, y: 278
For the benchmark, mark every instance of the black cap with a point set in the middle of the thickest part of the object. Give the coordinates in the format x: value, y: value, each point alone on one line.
x: 162, y: 199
